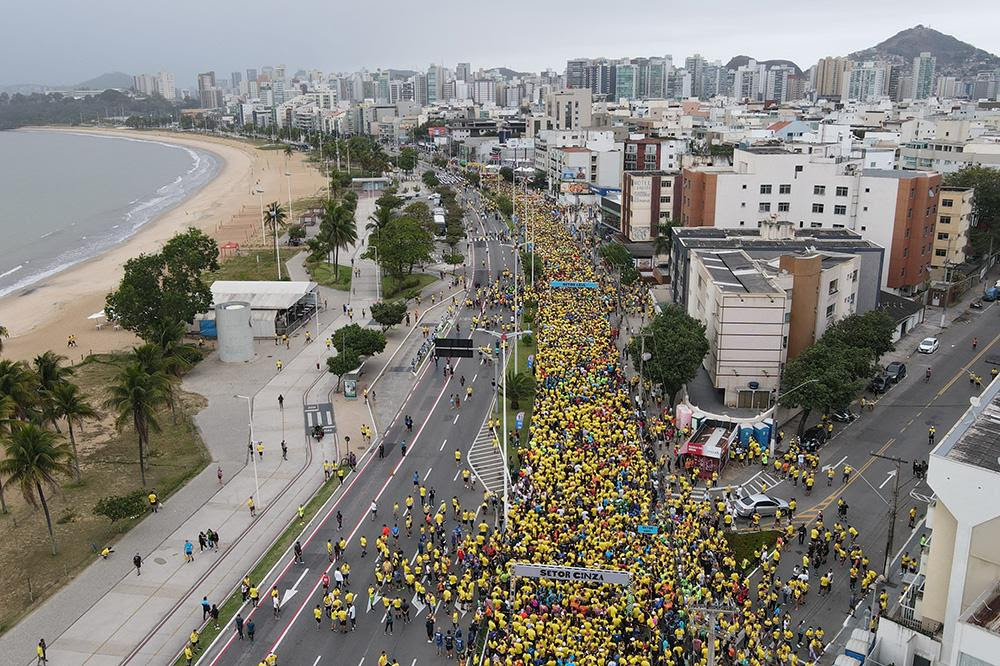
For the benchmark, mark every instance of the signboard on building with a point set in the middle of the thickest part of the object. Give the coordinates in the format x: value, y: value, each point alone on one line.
x: 574, y: 188
x: 574, y: 173
x: 571, y: 574
x: 642, y: 190
x: 562, y: 284
x: 436, y: 131
x: 647, y: 529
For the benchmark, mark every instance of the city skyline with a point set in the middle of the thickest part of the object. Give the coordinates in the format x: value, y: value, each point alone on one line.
x: 113, y: 44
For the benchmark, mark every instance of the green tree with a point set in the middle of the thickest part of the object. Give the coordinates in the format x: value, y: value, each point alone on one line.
x: 430, y: 179
x: 296, y: 232
x: 121, y: 507
x: 337, y: 229
x: 866, y: 336
x: 986, y: 205
x: 400, y: 246
x: 407, y: 159
x: 539, y: 181
x: 69, y: 403
x: 20, y: 385
x: 166, y: 286
x: 504, y: 205
x: 520, y: 386
x: 360, y: 340
x: 135, y: 396
x: 507, y: 174
x: 389, y: 199
x: 380, y: 218
x: 51, y: 372
x: 34, y: 459
x: 664, y: 238
x: 676, y: 346
x: 421, y: 212
x: 821, y: 377
x: 342, y: 363
x: 3, y: 334
x: 274, y: 219
x: 388, y: 314
x: 617, y: 257
x: 473, y: 177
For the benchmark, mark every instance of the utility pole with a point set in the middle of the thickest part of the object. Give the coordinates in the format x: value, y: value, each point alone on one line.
x: 892, y: 515
x: 712, y: 613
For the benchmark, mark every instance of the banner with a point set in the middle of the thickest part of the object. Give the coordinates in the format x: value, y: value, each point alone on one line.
x: 555, y: 572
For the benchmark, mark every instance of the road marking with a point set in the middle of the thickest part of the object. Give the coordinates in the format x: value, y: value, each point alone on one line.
x: 412, y: 664
x: 475, y: 377
x: 456, y: 475
x: 835, y: 465
x: 819, y: 507
x: 293, y: 590
x: 318, y: 657
x: 362, y: 661
x: 965, y: 368
x: 887, y: 479
x: 442, y: 445
x: 456, y: 418
x: 428, y: 473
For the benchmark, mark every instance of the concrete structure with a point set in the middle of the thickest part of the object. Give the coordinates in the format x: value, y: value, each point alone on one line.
x: 924, y: 66
x: 648, y: 200
x: 950, y: 156
x: 569, y: 109
x: 277, y: 308
x: 951, y: 614
x: 743, y: 310
x: 829, y: 75
x: 951, y: 232
x: 234, y: 328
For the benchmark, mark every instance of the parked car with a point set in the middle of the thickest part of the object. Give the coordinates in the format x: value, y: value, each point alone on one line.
x: 928, y: 345
x: 892, y: 374
x: 813, y: 438
x: 896, y: 371
x: 761, y: 503
x: 842, y: 415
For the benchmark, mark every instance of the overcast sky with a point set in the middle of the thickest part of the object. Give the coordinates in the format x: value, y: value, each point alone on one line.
x: 66, y: 41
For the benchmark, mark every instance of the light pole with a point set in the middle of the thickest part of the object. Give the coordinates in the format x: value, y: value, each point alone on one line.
x: 260, y: 199
x: 273, y: 214
x: 288, y: 181
x: 256, y: 483
x: 502, y: 337
x: 777, y: 396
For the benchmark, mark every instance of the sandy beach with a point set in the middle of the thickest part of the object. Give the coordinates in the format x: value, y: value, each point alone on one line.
x: 42, y: 316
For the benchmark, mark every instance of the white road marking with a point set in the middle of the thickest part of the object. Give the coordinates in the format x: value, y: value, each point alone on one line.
x: 835, y: 465
x: 456, y: 475
x: 318, y: 657
x: 456, y: 418
x: 414, y: 662
x: 475, y: 377
x: 293, y: 590
x: 442, y: 445
x: 428, y: 473
x: 888, y: 479
x: 362, y: 661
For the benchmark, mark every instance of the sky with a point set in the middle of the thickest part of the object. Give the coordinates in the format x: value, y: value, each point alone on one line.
x: 56, y: 42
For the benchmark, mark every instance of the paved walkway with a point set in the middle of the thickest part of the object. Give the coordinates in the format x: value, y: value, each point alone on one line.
x: 107, y: 614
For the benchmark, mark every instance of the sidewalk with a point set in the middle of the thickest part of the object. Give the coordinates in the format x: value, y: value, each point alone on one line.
x: 108, y: 615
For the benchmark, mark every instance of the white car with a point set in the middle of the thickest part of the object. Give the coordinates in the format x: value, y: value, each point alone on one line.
x: 928, y: 345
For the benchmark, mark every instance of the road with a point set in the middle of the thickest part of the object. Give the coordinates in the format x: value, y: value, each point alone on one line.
x: 438, y: 430
x: 897, y: 427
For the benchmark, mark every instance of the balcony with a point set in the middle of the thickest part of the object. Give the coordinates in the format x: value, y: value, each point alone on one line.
x: 985, y: 611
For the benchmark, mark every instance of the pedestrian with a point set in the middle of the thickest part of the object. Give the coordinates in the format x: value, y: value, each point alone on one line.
x: 137, y: 563
x: 284, y: 450
x: 260, y: 449
x: 154, y: 503
x: 281, y: 401
x: 252, y: 507
x: 218, y: 473
x: 214, y: 614
x: 251, y: 629
x: 41, y: 650
x: 202, y: 542
x: 298, y: 553
x: 373, y: 510
x: 188, y: 551
x: 381, y: 449
x: 239, y: 625
x: 340, y: 520
x: 388, y: 624
x: 206, y: 608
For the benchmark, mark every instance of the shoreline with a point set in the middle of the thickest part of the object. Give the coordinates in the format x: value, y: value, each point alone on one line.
x: 42, y: 315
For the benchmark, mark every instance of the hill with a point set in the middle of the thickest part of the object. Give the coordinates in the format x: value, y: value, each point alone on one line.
x: 954, y: 57
x: 105, y: 81
x: 740, y: 60
x: 505, y: 72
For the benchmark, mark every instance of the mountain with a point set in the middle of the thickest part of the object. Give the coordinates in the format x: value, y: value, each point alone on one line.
x: 954, y: 57
x: 505, y: 72
x: 105, y: 81
x: 401, y: 73
x: 740, y: 60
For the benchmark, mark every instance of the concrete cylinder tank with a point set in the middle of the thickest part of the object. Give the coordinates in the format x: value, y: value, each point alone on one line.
x: 233, y: 326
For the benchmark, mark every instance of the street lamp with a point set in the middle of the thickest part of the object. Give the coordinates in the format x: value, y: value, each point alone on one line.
x: 503, y: 376
x: 256, y: 483
x: 260, y: 199
x: 777, y: 396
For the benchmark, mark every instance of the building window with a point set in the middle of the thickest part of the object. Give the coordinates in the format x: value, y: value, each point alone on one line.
x: 830, y: 310
x: 743, y: 204
x: 784, y: 189
x: 664, y: 199
x: 854, y: 276
x: 819, y: 190
x: 744, y: 186
x: 841, y: 191
x: 742, y: 222
x: 833, y: 286
x: 765, y: 189
x: 942, y: 236
x: 817, y: 208
x: 840, y: 210
x: 947, y: 203
x: 764, y: 207
x: 815, y: 225
x: 783, y: 206
x: 868, y: 189
x: 940, y: 253
x: 944, y: 219
x: 798, y: 168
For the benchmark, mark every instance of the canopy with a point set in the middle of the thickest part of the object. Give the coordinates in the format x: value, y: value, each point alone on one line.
x: 98, y: 315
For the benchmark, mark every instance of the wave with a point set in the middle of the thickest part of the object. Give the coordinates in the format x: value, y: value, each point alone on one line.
x: 136, y: 214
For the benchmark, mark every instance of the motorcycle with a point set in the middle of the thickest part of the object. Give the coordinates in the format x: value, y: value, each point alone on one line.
x: 317, y: 432
x: 976, y: 305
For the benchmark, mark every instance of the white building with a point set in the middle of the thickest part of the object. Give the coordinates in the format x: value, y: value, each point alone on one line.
x: 569, y: 109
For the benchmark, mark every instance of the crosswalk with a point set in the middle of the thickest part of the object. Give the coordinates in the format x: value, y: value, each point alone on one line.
x: 760, y: 483
x: 485, y: 460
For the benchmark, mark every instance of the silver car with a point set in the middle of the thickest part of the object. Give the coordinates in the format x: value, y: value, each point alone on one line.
x: 765, y: 505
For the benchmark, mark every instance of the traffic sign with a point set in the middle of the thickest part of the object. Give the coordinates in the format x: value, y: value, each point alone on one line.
x: 562, y: 284
x: 453, y: 347
x: 519, y: 420
x: 648, y: 529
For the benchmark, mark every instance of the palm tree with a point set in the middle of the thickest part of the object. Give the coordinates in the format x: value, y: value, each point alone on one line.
x: 19, y: 383
x: 3, y: 334
x: 153, y: 361
x: 520, y: 386
x: 34, y: 458
x: 6, y: 419
x: 70, y: 404
x: 135, y: 397
x: 274, y: 217
x: 51, y: 373
x: 663, y: 241
x: 380, y: 218
x: 337, y: 229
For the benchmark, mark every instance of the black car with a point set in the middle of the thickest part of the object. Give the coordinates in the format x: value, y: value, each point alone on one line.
x: 892, y: 374
x: 842, y: 415
x: 814, y: 437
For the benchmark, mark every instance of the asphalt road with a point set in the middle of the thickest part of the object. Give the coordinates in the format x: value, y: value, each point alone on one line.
x: 438, y: 430
x: 897, y: 427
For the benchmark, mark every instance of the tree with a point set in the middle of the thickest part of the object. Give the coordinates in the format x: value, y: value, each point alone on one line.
x: 986, y: 205
x: 619, y: 258
x: 3, y: 334
x: 51, y: 372
x: 20, y: 385
x: 400, y: 246
x: 274, y: 218
x: 430, y: 179
x: 439, y: 161
x: 380, y: 218
x: 388, y: 314
x: 337, y: 229
x: 296, y: 232
x: 507, y: 174
x: 70, y: 404
x: 34, y: 459
x: 539, y: 181
x: 389, y: 199
x: 676, y: 346
x: 664, y: 238
x: 869, y: 333
x: 520, y: 386
x: 407, y: 159
x: 421, y: 212
x: 135, y: 396
x: 820, y: 377
x: 361, y: 341
x: 166, y: 286
x: 473, y: 177
x: 121, y: 507
x: 505, y: 206
x: 342, y: 363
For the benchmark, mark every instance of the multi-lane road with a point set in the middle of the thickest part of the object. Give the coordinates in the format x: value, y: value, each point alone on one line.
x: 439, y: 429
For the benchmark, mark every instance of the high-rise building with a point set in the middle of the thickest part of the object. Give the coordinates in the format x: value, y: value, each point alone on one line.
x: 626, y: 80
x: 236, y: 78
x: 251, y: 75
x: 569, y: 109
x: 865, y: 82
x: 435, y: 83
x: 208, y: 96
x: 830, y: 76
x: 463, y: 71
x: 576, y: 73
x: 924, y: 66
x: 712, y: 80
x: 778, y: 83
x: 484, y: 91
x: 655, y: 80
x: 695, y: 66
x: 166, y: 85
x: 382, y: 87
x: 143, y: 84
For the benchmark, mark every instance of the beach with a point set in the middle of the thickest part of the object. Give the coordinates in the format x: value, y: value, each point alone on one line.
x: 42, y: 316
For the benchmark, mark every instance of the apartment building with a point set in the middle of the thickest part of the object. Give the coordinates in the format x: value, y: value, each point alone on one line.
x: 569, y: 109
x: 951, y: 232
x: 816, y: 188
x: 950, y: 156
x: 744, y: 313
x: 648, y: 199
x: 950, y: 610
x: 644, y: 153
x: 574, y: 171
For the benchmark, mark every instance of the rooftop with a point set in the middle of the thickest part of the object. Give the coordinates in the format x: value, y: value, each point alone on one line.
x: 733, y: 271
x: 898, y: 174
x: 261, y: 294
x: 975, y: 439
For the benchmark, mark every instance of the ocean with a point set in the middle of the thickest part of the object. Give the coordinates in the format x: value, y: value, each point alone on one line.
x: 68, y: 196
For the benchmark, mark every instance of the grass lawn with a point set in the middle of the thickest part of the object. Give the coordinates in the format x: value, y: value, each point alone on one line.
x: 744, y: 543
x: 252, y: 265
x: 526, y: 406
x: 229, y: 608
x: 109, y: 465
x: 323, y: 273
x: 406, y: 287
